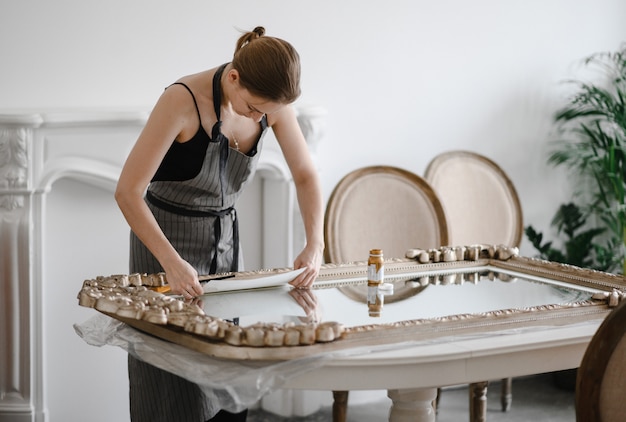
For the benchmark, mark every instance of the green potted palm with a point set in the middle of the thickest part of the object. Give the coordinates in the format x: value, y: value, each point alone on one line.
x: 579, y: 242
x: 592, y: 146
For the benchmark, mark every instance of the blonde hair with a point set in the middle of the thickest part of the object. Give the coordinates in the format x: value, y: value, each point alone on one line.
x: 268, y: 67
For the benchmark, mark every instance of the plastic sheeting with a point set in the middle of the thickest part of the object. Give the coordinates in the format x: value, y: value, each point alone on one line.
x: 229, y: 384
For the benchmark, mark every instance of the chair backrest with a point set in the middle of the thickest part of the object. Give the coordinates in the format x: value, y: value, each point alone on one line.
x: 480, y: 202
x: 382, y: 207
x: 601, y: 378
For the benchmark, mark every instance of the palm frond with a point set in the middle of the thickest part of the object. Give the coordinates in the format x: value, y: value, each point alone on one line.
x: 592, y: 146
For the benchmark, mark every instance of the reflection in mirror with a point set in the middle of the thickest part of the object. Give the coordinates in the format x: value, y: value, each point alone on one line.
x: 413, y: 296
x: 427, y: 300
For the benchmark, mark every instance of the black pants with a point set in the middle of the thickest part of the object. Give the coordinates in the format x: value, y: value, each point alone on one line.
x: 224, y: 416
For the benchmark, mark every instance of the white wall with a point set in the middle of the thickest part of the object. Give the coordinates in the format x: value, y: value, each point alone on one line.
x: 78, y: 375
x: 402, y: 80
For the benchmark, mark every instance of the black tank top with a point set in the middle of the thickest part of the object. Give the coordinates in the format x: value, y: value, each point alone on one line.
x: 183, y: 161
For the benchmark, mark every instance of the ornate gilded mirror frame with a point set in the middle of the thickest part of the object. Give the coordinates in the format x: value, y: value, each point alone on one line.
x: 136, y: 300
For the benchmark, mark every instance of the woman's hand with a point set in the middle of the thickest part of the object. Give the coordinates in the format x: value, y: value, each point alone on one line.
x: 310, y: 259
x: 183, y: 279
x: 195, y: 302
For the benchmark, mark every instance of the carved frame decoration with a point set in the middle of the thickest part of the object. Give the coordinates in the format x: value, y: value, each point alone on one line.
x: 133, y: 300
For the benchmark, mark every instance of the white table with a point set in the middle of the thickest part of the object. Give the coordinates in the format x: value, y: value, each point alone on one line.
x: 411, y: 375
x: 445, y: 324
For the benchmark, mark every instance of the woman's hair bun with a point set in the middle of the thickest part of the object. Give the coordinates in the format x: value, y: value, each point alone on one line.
x: 268, y: 67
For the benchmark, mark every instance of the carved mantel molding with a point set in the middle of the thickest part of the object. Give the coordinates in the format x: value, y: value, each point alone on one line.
x: 36, y: 150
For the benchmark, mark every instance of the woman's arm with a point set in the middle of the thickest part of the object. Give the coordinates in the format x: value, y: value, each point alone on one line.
x: 305, y: 177
x: 166, y: 122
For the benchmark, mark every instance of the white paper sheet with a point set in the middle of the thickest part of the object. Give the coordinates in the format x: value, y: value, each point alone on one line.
x: 260, y: 282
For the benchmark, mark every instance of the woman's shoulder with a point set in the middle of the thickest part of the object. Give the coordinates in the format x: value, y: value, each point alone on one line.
x: 200, y: 84
x: 200, y: 80
x: 287, y: 113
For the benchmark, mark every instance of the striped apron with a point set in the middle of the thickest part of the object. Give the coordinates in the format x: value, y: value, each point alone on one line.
x: 199, y: 219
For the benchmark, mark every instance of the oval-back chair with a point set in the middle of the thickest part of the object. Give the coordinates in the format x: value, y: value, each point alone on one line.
x: 482, y: 207
x: 480, y: 201
x: 380, y: 207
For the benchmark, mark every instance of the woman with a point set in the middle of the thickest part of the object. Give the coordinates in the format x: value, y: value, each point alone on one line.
x: 196, y: 153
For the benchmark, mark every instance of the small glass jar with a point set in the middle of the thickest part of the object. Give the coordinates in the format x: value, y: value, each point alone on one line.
x: 375, y: 278
x: 375, y: 267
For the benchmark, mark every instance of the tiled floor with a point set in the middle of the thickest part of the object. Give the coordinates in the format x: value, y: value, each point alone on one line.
x: 535, y: 398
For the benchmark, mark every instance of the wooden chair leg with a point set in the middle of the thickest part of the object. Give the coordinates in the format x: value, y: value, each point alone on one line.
x: 478, y: 401
x: 506, y: 396
x: 436, y: 401
x: 340, y: 406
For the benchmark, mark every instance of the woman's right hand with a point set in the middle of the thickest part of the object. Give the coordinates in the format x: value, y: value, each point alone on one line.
x: 183, y: 279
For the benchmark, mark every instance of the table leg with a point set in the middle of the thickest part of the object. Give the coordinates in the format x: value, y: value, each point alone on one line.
x: 478, y: 401
x: 412, y: 405
x: 507, y: 394
x: 340, y: 405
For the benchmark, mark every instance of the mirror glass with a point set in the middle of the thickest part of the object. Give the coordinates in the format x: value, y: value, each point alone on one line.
x: 406, y: 297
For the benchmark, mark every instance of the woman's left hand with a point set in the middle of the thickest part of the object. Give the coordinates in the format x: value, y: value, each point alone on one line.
x: 310, y: 259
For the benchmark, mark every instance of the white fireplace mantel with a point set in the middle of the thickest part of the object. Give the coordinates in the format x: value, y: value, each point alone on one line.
x: 39, y: 148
